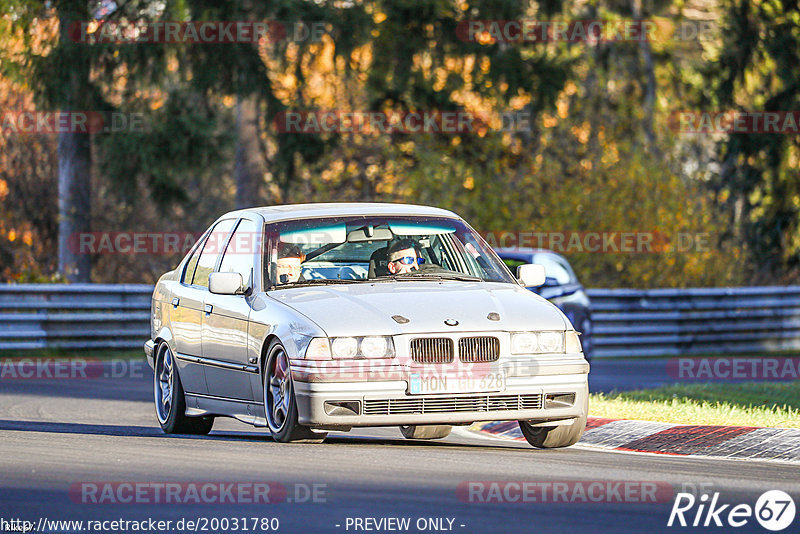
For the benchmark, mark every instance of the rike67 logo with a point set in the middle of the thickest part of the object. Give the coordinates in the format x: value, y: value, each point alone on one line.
x: 774, y: 510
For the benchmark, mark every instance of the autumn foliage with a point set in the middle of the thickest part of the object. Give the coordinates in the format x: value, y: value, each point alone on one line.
x: 564, y: 137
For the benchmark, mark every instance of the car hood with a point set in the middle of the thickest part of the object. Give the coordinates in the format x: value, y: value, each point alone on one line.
x: 367, y: 309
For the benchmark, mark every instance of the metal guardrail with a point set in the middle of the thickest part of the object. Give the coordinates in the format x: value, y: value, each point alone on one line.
x: 626, y: 322
x: 74, y: 316
x: 629, y: 322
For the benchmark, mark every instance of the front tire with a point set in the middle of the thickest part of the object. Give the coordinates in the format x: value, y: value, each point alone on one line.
x: 170, y: 400
x: 280, y: 405
x: 425, y: 431
x: 553, y: 437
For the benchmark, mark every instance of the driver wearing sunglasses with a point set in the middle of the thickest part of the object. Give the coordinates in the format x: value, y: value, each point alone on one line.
x: 403, y: 257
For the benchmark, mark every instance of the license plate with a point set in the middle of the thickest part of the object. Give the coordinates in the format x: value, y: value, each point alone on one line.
x: 419, y: 384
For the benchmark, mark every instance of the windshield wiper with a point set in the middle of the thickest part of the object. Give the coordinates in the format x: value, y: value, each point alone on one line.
x: 320, y: 281
x: 433, y: 276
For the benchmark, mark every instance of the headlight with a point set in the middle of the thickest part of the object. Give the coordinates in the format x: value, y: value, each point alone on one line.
x: 551, y: 342
x: 524, y: 343
x: 537, y: 343
x: 573, y: 344
x: 374, y: 347
x: 345, y: 347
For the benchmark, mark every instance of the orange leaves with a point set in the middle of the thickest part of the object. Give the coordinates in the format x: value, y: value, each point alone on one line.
x: 548, y: 120
x: 581, y: 132
x: 562, y: 106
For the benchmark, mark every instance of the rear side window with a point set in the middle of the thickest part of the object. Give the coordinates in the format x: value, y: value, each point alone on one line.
x: 188, y: 272
x: 211, y: 249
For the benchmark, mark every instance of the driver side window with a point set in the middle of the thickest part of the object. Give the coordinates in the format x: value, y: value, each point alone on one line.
x: 239, y: 254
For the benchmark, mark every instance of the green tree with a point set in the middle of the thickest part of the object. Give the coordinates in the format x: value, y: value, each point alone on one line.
x: 81, y: 74
x: 759, y: 182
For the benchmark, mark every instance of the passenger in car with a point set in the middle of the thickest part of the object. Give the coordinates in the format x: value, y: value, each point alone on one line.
x: 403, y: 257
x: 288, y: 265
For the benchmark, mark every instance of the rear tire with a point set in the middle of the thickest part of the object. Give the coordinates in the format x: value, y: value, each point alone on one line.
x: 425, y: 431
x: 170, y: 400
x: 280, y: 405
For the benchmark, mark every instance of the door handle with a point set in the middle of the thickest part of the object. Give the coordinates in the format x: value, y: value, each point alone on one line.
x: 209, y: 307
x: 175, y: 301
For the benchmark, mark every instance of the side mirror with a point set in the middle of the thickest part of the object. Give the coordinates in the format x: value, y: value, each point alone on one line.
x: 225, y: 283
x: 531, y: 275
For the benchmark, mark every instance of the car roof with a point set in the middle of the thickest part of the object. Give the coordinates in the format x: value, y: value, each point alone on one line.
x: 339, y: 209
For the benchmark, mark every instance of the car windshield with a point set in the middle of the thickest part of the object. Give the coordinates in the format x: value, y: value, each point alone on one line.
x: 374, y: 248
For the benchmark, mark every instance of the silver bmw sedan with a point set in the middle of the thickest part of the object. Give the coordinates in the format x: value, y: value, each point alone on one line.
x: 318, y: 317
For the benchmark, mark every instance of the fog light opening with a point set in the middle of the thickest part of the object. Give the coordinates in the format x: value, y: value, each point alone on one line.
x: 339, y: 408
x: 559, y: 400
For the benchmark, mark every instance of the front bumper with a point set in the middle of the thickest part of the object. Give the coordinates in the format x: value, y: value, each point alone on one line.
x: 388, y: 403
x: 149, y: 351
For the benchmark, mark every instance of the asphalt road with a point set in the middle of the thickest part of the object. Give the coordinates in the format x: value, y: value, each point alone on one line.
x: 60, y: 437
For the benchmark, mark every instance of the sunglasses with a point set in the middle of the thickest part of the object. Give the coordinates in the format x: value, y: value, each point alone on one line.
x: 409, y: 260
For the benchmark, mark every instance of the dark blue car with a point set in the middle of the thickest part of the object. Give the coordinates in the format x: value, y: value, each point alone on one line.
x: 561, y: 287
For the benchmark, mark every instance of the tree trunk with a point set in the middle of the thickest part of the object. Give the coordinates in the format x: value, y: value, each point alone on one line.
x: 248, y: 168
x: 649, y: 84
x: 74, y: 204
x: 74, y: 162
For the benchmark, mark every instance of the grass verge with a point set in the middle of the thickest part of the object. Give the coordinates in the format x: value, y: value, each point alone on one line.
x: 762, y: 404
